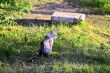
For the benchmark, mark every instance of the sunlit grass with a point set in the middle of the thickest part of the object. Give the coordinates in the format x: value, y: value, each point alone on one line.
x: 81, y: 48
x: 77, y: 49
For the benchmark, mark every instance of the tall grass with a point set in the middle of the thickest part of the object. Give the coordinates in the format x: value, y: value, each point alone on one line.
x: 78, y: 49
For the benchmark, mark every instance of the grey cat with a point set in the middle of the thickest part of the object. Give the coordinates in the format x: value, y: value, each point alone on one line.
x: 47, y: 43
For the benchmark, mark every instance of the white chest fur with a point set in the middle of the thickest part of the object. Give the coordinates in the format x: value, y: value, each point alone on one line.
x: 49, y: 43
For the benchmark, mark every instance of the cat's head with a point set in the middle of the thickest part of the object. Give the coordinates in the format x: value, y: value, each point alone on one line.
x: 51, y: 34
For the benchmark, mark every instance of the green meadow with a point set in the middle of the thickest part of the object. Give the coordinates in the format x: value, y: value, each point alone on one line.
x: 83, y: 47
x: 78, y: 49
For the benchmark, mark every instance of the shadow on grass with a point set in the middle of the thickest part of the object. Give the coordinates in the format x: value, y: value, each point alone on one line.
x: 31, y: 22
x: 35, y: 22
x: 20, y: 52
x: 27, y: 55
x: 60, y: 55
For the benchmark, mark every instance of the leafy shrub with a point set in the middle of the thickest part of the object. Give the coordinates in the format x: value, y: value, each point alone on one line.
x: 105, y: 8
x: 13, y: 9
x: 93, y: 3
x: 98, y: 6
x: 102, y: 6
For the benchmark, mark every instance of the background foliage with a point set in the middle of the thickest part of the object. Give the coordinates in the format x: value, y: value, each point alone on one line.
x: 13, y: 9
x: 92, y: 6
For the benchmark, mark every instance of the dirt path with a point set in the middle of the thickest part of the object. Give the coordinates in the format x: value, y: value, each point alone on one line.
x: 41, y: 13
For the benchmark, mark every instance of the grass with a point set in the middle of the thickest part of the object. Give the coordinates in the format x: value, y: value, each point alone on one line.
x: 78, y: 49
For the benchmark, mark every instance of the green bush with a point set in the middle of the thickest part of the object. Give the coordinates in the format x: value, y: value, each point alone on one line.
x: 13, y: 9
x: 105, y: 8
x: 98, y: 6
x: 101, y: 6
x: 94, y: 3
